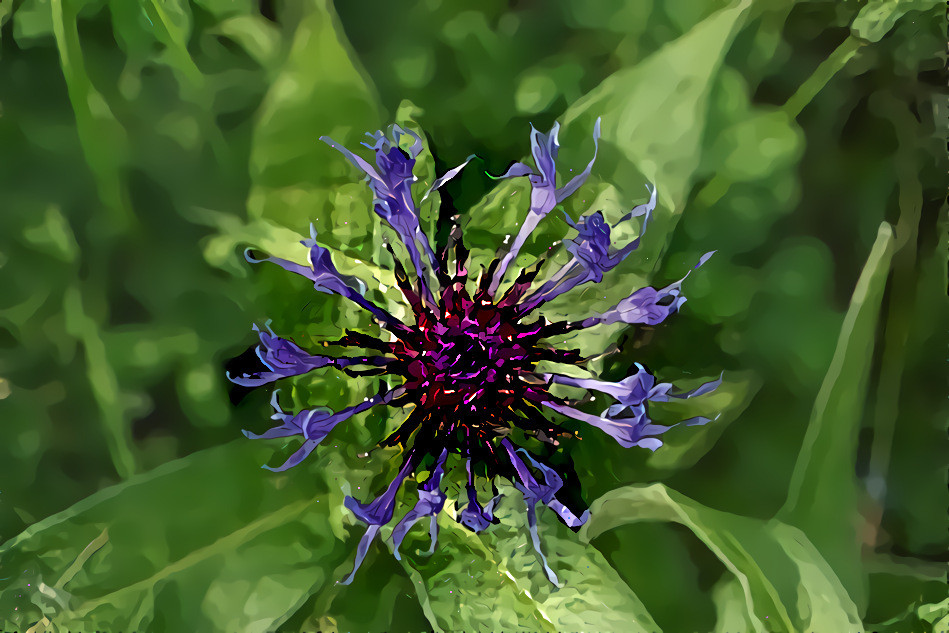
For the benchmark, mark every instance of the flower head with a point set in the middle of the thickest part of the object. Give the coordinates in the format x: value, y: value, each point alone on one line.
x: 467, y: 362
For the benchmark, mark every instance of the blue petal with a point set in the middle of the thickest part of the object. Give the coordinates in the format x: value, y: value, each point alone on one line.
x: 430, y: 502
x: 361, y: 551
x: 379, y: 511
x: 579, y: 179
x: 283, y: 358
x: 544, y: 149
x: 535, y: 540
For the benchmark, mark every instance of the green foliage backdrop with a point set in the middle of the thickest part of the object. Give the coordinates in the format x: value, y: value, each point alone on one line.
x: 145, y: 143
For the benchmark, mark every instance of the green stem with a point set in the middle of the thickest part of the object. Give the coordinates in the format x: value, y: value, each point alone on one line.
x: 819, y: 78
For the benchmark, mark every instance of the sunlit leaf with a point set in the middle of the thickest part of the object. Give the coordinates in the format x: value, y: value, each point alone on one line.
x: 784, y: 583
x: 822, y: 499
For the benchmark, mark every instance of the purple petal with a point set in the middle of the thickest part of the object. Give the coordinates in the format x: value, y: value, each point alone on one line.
x: 282, y: 358
x: 355, y: 160
x: 448, y: 175
x: 592, y: 246
x: 544, y: 149
x: 627, y: 431
x: 701, y: 390
x: 542, y: 201
x: 391, y: 188
x: 567, y: 516
x: 575, y: 182
x: 535, y: 540
x: 430, y: 502
x: 516, y: 170
x: 473, y: 516
x: 647, y: 306
x: 361, y: 551
x: 379, y: 511
x: 325, y: 277
x: 631, y: 391
x: 643, y: 209
x: 696, y: 421
x: 592, y: 253
x: 538, y: 491
x: 402, y: 528
x: 291, y: 424
x: 302, y: 453
x: 534, y: 492
x: 313, y: 424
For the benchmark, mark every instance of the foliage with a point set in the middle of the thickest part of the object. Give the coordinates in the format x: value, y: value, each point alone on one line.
x: 144, y: 144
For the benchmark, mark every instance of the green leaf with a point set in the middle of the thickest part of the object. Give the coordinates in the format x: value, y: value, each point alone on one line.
x: 784, y: 583
x: 731, y: 610
x: 654, y: 115
x: 822, y: 499
x: 723, y: 406
x: 652, y: 129
x: 104, y: 140
x: 208, y: 542
x: 320, y: 90
x: 259, y: 37
x: 494, y: 581
x: 878, y: 17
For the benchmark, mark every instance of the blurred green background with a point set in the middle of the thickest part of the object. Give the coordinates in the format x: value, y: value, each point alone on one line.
x: 145, y: 143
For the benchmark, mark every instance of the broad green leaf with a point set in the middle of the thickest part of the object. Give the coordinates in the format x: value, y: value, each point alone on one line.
x: 653, y: 118
x: 295, y: 177
x: 653, y: 115
x: 494, y: 581
x: 224, y: 250
x: 730, y: 606
x: 822, y: 499
x: 784, y: 583
x: 207, y: 542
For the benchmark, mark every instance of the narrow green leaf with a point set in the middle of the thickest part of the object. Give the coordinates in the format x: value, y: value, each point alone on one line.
x: 822, y: 499
x: 784, y: 583
x: 653, y: 123
x: 208, y: 542
x: 902, y: 301
x: 104, y: 140
x: 878, y: 17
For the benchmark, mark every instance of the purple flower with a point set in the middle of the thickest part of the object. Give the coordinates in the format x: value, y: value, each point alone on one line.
x: 627, y: 420
x: 592, y: 254
x: 430, y: 502
x: 312, y: 424
x: 391, y: 184
x: 540, y: 491
x: 544, y: 192
x: 467, y: 363
x: 646, y: 306
x: 283, y: 359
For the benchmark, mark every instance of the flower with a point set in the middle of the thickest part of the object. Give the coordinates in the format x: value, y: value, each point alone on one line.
x: 468, y: 360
